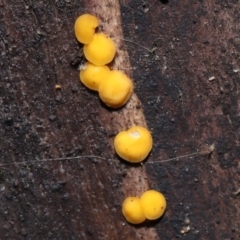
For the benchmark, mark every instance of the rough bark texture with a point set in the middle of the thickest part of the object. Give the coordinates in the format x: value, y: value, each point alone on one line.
x: 188, y: 84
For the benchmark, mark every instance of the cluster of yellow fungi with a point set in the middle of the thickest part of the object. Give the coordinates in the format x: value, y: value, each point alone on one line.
x: 115, y: 89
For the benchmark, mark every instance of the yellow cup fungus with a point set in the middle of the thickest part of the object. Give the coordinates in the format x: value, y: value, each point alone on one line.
x: 153, y: 204
x: 101, y: 50
x: 132, y: 210
x: 92, y: 75
x: 134, y: 144
x: 116, y: 89
x: 85, y: 28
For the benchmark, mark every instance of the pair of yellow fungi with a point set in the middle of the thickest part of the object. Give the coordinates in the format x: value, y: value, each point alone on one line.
x: 151, y: 205
x: 114, y: 87
x: 99, y: 48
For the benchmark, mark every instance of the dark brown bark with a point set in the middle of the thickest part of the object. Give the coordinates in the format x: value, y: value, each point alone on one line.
x: 188, y: 85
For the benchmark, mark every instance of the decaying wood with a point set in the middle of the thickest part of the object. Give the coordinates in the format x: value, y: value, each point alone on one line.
x: 184, y: 60
x: 135, y: 182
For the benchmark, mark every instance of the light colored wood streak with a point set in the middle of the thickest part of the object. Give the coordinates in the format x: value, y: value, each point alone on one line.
x: 136, y: 181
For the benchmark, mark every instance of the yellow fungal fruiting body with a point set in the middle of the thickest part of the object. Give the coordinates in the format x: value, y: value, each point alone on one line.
x: 101, y: 50
x: 85, y: 28
x: 116, y: 89
x: 134, y: 144
x: 91, y: 75
x: 132, y: 210
x: 153, y: 204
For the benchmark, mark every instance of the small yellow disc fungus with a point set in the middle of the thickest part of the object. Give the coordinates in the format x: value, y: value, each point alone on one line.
x: 153, y: 204
x: 132, y: 210
x: 92, y: 75
x: 116, y: 90
x: 101, y: 50
x: 85, y: 28
x: 134, y: 144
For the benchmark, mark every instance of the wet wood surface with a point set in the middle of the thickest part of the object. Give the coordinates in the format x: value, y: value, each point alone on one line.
x: 184, y: 60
